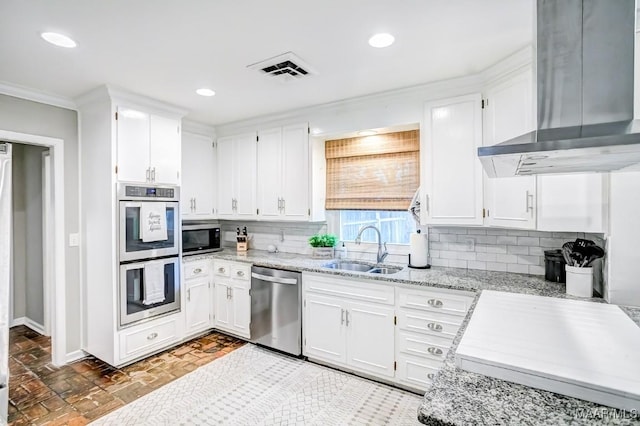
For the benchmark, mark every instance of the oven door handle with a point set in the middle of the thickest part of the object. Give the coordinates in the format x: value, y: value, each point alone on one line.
x: 292, y: 281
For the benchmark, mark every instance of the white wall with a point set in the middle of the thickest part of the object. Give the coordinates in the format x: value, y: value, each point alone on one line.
x: 19, y: 115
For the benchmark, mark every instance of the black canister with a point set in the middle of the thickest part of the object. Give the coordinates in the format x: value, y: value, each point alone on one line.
x: 554, y: 266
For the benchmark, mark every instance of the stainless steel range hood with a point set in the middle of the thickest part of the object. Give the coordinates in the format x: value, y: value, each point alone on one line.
x: 584, y: 82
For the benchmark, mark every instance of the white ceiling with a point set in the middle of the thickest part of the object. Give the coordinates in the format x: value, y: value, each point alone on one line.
x: 166, y: 49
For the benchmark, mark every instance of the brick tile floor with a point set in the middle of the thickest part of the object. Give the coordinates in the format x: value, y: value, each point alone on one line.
x: 77, y: 393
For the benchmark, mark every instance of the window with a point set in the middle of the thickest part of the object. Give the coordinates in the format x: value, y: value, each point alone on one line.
x: 371, y: 181
x: 395, y: 226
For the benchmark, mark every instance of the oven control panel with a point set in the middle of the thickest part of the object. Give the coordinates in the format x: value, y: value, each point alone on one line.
x: 137, y: 192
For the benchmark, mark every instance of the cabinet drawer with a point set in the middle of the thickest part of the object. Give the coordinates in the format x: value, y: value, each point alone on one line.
x: 200, y: 268
x: 145, y: 339
x: 435, y: 301
x: 364, y: 291
x: 241, y: 272
x: 221, y: 269
x: 417, y: 372
x: 434, y: 323
x: 423, y: 345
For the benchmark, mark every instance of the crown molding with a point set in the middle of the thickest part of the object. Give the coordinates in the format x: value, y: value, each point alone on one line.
x: 197, y: 128
x: 34, y: 95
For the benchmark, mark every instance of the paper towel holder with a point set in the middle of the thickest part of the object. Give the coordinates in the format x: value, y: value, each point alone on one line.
x: 427, y: 266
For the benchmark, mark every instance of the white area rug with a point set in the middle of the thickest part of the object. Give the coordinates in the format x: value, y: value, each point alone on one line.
x: 255, y: 386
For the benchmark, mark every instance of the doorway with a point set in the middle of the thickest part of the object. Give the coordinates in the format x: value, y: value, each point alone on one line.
x: 56, y: 300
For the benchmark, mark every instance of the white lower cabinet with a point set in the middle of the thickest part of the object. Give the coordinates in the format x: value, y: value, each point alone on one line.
x: 197, y: 282
x: 142, y: 340
x: 232, y: 282
x: 399, y: 334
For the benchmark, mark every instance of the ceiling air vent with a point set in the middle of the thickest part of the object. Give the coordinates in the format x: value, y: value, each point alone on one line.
x: 286, y: 67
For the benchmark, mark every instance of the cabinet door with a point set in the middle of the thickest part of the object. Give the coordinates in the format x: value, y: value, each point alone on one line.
x: 133, y: 145
x: 324, y: 336
x: 295, y: 172
x: 245, y: 176
x: 269, y: 180
x: 240, y: 305
x: 197, y: 307
x: 164, y: 151
x: 370, y: 338
x: 573, y: 202
x: 452, y: 173
x: 509, y: 202
x: 223, y: 313
x: 198, y: 177
x: 225, y: 177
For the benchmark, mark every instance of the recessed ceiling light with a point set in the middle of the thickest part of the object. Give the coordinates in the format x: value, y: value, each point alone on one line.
x: 58, y: 40
x: 381, y: 40
x: 205, y: 92
x: 367, y: 133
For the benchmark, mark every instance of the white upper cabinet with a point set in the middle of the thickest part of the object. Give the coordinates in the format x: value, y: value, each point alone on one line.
x: 573, y: 202
x: 237, y: 177
x: 197, y: 194
x: 451, y: 171
x: 148, y: 147
x: 283, y: 173
x: 508, y: 109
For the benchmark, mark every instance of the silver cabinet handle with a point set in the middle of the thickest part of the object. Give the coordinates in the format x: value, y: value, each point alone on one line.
x: 284, y: 205
x: 341, y: 316
x: 195, y: 204
x: 434, y: 351
x: 148, y: 174
x: 529, y: 204
x: 228, y: 293
x: 152, y: 336
x: 197, y: 270
x: 221, y: 270
x: 426, y: 207
x: 189, y: 295
x: 434, y: 326
x: 279, y: 204
x: 240, y: 273
x: 347, y: 317
x: 153, y: 174
x: 435, y: 303
x: 430, y: 376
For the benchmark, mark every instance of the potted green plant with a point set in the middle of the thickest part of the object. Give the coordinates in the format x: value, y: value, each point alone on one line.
x: 323, y: 245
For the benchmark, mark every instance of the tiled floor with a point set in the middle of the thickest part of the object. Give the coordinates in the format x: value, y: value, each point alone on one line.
x: 41, y: 394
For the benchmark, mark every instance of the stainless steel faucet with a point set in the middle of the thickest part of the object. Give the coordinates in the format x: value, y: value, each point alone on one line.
x: 381, y: 253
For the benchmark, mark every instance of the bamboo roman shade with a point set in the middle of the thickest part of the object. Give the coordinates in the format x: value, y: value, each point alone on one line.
x: 380, y: 172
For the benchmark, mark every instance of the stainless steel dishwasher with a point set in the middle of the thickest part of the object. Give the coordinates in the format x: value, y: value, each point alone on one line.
x: 276, y: 314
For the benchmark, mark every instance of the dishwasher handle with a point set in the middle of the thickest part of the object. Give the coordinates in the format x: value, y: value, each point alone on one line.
x: 292, y: 281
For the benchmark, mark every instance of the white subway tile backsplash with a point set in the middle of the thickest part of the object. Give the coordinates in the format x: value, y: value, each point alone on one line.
x: 467, y: 255
x: 496, y: 232
x: 528, y: 241
x: 507, y: 240
x: 492, y: 266
x: 434, y: 237
x: 500, y: 249
x: 535, y: 251
x: 518, y: 249
x: 448, y: 254
x: 438, y: 245
x: 440, y: 262
x: 538, y: 234
x: 487, y: 257
x: 458, y: 263
x: 507, y: 258
x: 517, y: 233
x: 536, y: 270
x: 448, y: 238
x: 477, y: 231
x: 520, y: 269
x: 486, y: 239
x: 529, y: 260
x: 554, y: 242
x: 475, y: 264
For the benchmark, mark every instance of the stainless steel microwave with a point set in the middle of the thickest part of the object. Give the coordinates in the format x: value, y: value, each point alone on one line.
x: 197, y: 239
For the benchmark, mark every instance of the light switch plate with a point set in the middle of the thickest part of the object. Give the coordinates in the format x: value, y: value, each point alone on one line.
x: 74, y: 240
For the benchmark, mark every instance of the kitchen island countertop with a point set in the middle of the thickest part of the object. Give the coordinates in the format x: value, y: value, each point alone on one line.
x: 459, y: 397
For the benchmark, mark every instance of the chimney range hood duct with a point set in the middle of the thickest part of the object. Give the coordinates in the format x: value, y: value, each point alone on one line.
x: 584, y: 72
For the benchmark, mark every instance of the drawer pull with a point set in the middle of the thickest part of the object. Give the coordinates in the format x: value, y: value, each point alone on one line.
x: 435, y: 303
x: 197, y: 270
x: 430, y: 376
x: 434, y: 326
x: 152, y: 336
x: 434, y: 351
x: 221, y: 270
x: 240, y: 273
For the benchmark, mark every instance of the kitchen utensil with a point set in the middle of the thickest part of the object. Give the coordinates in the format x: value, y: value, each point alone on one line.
x: 592, y: 253
x: 569, y: 245
x: 244, y: 231
x: 566, y: 253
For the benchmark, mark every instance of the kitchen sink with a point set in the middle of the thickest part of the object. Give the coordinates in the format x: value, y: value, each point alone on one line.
x: 348, y: 266
x: 361, y: 267
x: 384, y: 271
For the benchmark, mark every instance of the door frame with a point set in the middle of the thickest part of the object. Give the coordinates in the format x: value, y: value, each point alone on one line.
x: 57, y: 296
x: 47, y: 240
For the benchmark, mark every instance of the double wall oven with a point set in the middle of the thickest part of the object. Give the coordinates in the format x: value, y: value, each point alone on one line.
x: 149, y: 249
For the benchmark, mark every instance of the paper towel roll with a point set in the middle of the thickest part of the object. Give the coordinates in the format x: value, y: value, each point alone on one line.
x: 419, y: 250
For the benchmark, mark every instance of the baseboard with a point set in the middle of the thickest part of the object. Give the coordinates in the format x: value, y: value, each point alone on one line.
x: 18, y: 321
x: 75, y: 356
x: 28, y: 322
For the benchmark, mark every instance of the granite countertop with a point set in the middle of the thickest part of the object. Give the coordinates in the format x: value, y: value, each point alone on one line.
x: 459, y: 397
